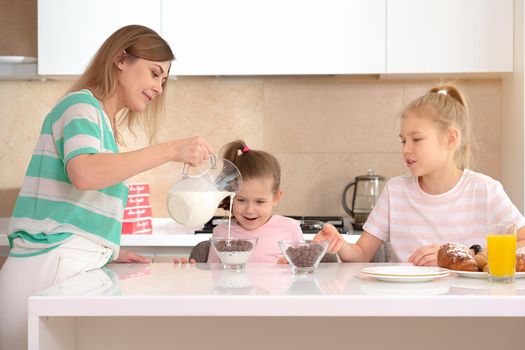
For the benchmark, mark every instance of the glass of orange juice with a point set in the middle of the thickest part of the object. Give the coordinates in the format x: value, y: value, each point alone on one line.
x: 501, y: 251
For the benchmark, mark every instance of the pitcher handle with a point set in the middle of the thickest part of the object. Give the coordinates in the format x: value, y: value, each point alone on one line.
x: 213, y: 165
x: 349, y: 211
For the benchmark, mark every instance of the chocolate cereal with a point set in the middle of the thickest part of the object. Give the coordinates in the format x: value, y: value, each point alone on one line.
x: 305, y: 255
x: 234, y: 246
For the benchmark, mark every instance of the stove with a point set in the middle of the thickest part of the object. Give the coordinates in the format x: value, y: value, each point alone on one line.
x: 309, y: 224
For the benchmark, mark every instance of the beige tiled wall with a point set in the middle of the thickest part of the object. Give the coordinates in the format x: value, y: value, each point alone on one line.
x: 324, y: 130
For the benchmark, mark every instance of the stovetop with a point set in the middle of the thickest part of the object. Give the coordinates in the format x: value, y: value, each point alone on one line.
x: 309, y: 224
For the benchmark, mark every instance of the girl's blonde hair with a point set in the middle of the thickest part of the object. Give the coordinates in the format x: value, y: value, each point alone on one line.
x: 447, y: 106
x: 129, y: 42
x: 252, y: 164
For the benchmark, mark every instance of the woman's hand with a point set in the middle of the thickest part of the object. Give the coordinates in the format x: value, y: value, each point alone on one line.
x: 425, y: 256
x: 193, y: 150
x: 330, y: 233
x: 126, y: 256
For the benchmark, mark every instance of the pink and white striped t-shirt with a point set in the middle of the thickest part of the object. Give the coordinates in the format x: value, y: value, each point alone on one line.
x: 409, y: 218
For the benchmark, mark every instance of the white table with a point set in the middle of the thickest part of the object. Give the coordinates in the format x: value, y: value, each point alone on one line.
x: 169, y: 306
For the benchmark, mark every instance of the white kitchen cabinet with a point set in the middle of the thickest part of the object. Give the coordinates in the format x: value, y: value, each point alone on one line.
x: 70, y: 32
x: 260, y: 37
x: 449, y: 36
x: 257, y: 37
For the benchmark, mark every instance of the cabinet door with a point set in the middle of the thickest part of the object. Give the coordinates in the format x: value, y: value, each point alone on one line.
x: 71, y: 31
x: 258, y: 37
x: 430, y: 36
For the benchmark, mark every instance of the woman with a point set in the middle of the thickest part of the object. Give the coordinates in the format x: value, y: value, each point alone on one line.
x: 68, y: 215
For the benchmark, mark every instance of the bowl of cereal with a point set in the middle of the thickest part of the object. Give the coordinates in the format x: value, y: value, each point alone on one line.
x: 234, y: 252
x: 303, y: 257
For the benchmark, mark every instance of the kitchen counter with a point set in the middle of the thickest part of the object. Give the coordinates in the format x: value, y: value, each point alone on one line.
x: 168, y: 239
x: 137, y: 301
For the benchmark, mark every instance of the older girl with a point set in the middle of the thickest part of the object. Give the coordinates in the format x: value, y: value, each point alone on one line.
x: 442, y: 200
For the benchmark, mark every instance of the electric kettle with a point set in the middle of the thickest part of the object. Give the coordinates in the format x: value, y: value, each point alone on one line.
x: 367, y: 189
x: 193, y: 200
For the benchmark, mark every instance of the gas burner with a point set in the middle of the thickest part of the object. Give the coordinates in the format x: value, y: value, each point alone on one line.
x: 309, y: 224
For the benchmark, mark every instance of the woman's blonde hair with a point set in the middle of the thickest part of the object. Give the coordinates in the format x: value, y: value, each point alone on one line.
x: 447, y: 106
x: 252, y: 164
x: 133, y: 41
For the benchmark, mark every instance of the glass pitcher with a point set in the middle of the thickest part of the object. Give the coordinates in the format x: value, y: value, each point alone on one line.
x: 193, y: 200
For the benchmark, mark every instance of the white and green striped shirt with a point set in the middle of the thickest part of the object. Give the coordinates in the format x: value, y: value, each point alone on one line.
x: 49, y: 209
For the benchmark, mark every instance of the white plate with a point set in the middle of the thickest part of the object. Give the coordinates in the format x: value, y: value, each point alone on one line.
x: 405, y: 274
x: 405, y: 271
x: 405, y: 279
x: 481, y: 275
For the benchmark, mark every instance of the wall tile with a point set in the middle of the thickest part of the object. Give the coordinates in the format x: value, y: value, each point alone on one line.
x: 321, y: 117
x: 324, y: 130
x: 23, y: 110
x: 489, y: 164
x: 313, y: 183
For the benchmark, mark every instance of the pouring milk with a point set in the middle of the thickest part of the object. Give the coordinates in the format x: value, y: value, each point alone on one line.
x: 193, y: 200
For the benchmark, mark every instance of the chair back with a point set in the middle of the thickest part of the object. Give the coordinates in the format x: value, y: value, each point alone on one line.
x: 200, y: 252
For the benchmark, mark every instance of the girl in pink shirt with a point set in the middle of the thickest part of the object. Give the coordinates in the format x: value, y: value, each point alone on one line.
x: 253, y: 205
x: 442, y: 200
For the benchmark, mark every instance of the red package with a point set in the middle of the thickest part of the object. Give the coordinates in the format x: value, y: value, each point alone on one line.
x: 138, y: 188
x: 138, y: 200
x: 137, y: 227
x: 134, y: 213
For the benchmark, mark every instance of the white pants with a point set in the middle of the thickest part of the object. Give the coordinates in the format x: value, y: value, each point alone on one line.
x: 22, y: 277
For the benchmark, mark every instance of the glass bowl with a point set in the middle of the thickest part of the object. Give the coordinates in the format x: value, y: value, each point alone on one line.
x: 232, y: 282
x: 234, y: 252
x: 303, y: 257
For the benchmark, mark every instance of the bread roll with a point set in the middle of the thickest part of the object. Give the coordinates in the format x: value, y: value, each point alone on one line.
x: 455, y: 256
x: 520, y: 260
x: 481, y: 260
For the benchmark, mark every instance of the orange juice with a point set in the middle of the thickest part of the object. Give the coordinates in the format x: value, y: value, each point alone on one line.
x: 501, y: 254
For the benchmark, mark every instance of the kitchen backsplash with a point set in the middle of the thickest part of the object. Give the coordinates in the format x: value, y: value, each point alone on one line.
x: 324, y: 130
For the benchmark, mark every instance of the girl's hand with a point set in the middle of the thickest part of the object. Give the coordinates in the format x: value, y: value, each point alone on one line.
x: 425, y: 256
x: 193, y: 151
x: 183, y: 261
x: 282, y: 260
x: 330, y: 233
x: 125, y: 256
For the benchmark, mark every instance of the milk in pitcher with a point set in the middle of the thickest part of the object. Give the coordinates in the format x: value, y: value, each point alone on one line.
x: 195, y: 208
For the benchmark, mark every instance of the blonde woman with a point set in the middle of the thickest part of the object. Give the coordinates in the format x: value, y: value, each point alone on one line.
x: 67, y: 217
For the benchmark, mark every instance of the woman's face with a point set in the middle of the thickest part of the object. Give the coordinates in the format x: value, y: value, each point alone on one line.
x: 140, y: 81
x: 253, y: 205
